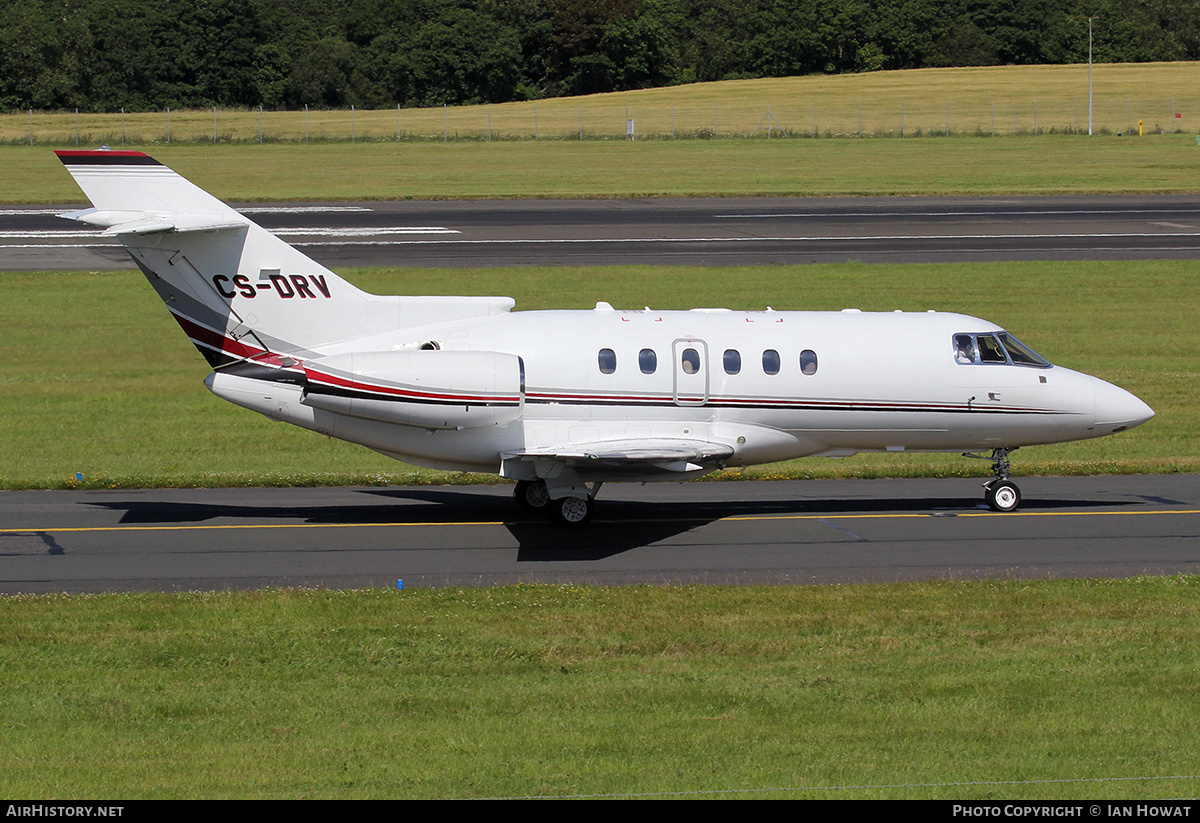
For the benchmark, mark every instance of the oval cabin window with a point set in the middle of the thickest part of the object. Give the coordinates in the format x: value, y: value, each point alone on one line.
x: 608, y: 361
x: 771, y: 361
x: 647, y: 361
x: 733, y: 361
x: 808, y: 362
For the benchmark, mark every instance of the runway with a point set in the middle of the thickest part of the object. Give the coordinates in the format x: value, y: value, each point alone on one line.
x: 710, y: 232
x: 729, y: 533
x: 784, y: 532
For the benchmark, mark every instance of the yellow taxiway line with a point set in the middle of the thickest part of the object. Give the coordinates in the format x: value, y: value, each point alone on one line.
x: 734, y: 518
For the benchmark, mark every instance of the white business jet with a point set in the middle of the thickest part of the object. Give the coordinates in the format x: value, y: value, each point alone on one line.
x: 563, y: 401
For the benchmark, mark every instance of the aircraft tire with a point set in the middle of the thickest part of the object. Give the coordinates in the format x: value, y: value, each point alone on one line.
x: 532, y: 496
x: 1003, y: 496
x: 571, y: 512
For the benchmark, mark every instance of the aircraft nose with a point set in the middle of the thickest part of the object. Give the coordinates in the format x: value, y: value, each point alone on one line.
x: 1117, y: 409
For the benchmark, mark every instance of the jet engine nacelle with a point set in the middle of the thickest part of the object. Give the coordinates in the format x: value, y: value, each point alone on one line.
x: 429, y: 389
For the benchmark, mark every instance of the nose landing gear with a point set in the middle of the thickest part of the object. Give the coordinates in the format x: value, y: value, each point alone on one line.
x: 1001, y: 494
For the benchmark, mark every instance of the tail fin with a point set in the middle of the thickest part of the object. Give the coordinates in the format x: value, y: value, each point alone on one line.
x: 238, y: 291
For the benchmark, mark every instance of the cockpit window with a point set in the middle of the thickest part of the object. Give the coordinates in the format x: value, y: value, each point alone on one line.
x: 964, y: 348
x: 1021, y: 354
x: 999, y: 347
x: 990, y: 350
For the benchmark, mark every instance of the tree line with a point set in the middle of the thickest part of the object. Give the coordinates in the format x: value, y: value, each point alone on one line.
x: 152, y: 54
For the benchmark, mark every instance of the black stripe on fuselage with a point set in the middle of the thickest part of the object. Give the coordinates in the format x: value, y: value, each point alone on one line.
x: 106, y: 158
x: 780, y: 405
x: 352, y: 394
x: 286, y: 376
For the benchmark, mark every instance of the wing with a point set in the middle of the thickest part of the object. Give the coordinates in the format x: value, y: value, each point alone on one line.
x: 625, y: 457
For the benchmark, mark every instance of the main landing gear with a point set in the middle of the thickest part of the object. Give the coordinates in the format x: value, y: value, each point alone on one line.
x: 533, y: 497
x: 1001, y: 494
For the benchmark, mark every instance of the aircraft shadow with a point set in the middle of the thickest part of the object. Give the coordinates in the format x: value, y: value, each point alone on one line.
x: 619, y: 526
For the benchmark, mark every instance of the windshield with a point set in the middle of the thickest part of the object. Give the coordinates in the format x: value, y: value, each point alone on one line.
x: 998, y: 348
x: 1021, y: 354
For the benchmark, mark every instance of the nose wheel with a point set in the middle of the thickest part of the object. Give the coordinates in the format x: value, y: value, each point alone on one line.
x: 1001, y: 494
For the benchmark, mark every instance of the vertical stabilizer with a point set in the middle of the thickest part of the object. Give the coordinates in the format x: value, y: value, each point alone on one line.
x: 237, y: 290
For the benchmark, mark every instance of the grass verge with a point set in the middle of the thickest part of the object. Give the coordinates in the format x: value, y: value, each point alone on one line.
x: 1053, y: 164
x: 989, y: 690
x: 99, y: 383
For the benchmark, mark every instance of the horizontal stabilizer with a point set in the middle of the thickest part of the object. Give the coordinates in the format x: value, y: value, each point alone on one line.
x: 144, y: 222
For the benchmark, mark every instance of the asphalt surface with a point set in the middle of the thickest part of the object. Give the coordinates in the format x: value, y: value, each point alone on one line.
x: 717, y: 232
x: 783, y: 532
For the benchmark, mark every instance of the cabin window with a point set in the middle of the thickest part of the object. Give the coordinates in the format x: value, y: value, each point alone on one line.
x: 808, y: 362
x: 608, y: 361
x: 690, y: 361
x: 771, y: 361
x: 647, y: 361
x: 733, y: 361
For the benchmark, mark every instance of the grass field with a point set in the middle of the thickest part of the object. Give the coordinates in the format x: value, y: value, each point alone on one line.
x: 1017, y: 165
x: 99, y: 381
x: 1063, y: 689
x: 1038, y: 107
x: 999, y: 100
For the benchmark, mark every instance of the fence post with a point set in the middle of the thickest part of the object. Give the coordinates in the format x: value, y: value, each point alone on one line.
x: 351, y: 123
x: 122, y: 125
x: 260, y: 127
x: 902, y: 119
x: 306, y: 123
x: 168, y: 125
x: 214, y: 125
x: 399, y: 129
x: 77, y: 128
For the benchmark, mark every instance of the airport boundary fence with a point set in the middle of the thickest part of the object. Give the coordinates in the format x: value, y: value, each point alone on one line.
x: 597, y: 119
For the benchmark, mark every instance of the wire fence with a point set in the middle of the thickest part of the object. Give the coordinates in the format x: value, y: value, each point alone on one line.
x: 596, y: 119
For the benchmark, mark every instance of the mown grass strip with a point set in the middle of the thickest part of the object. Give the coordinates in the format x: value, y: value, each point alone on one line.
x: 1005, y: 689
x: 381, y: 171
